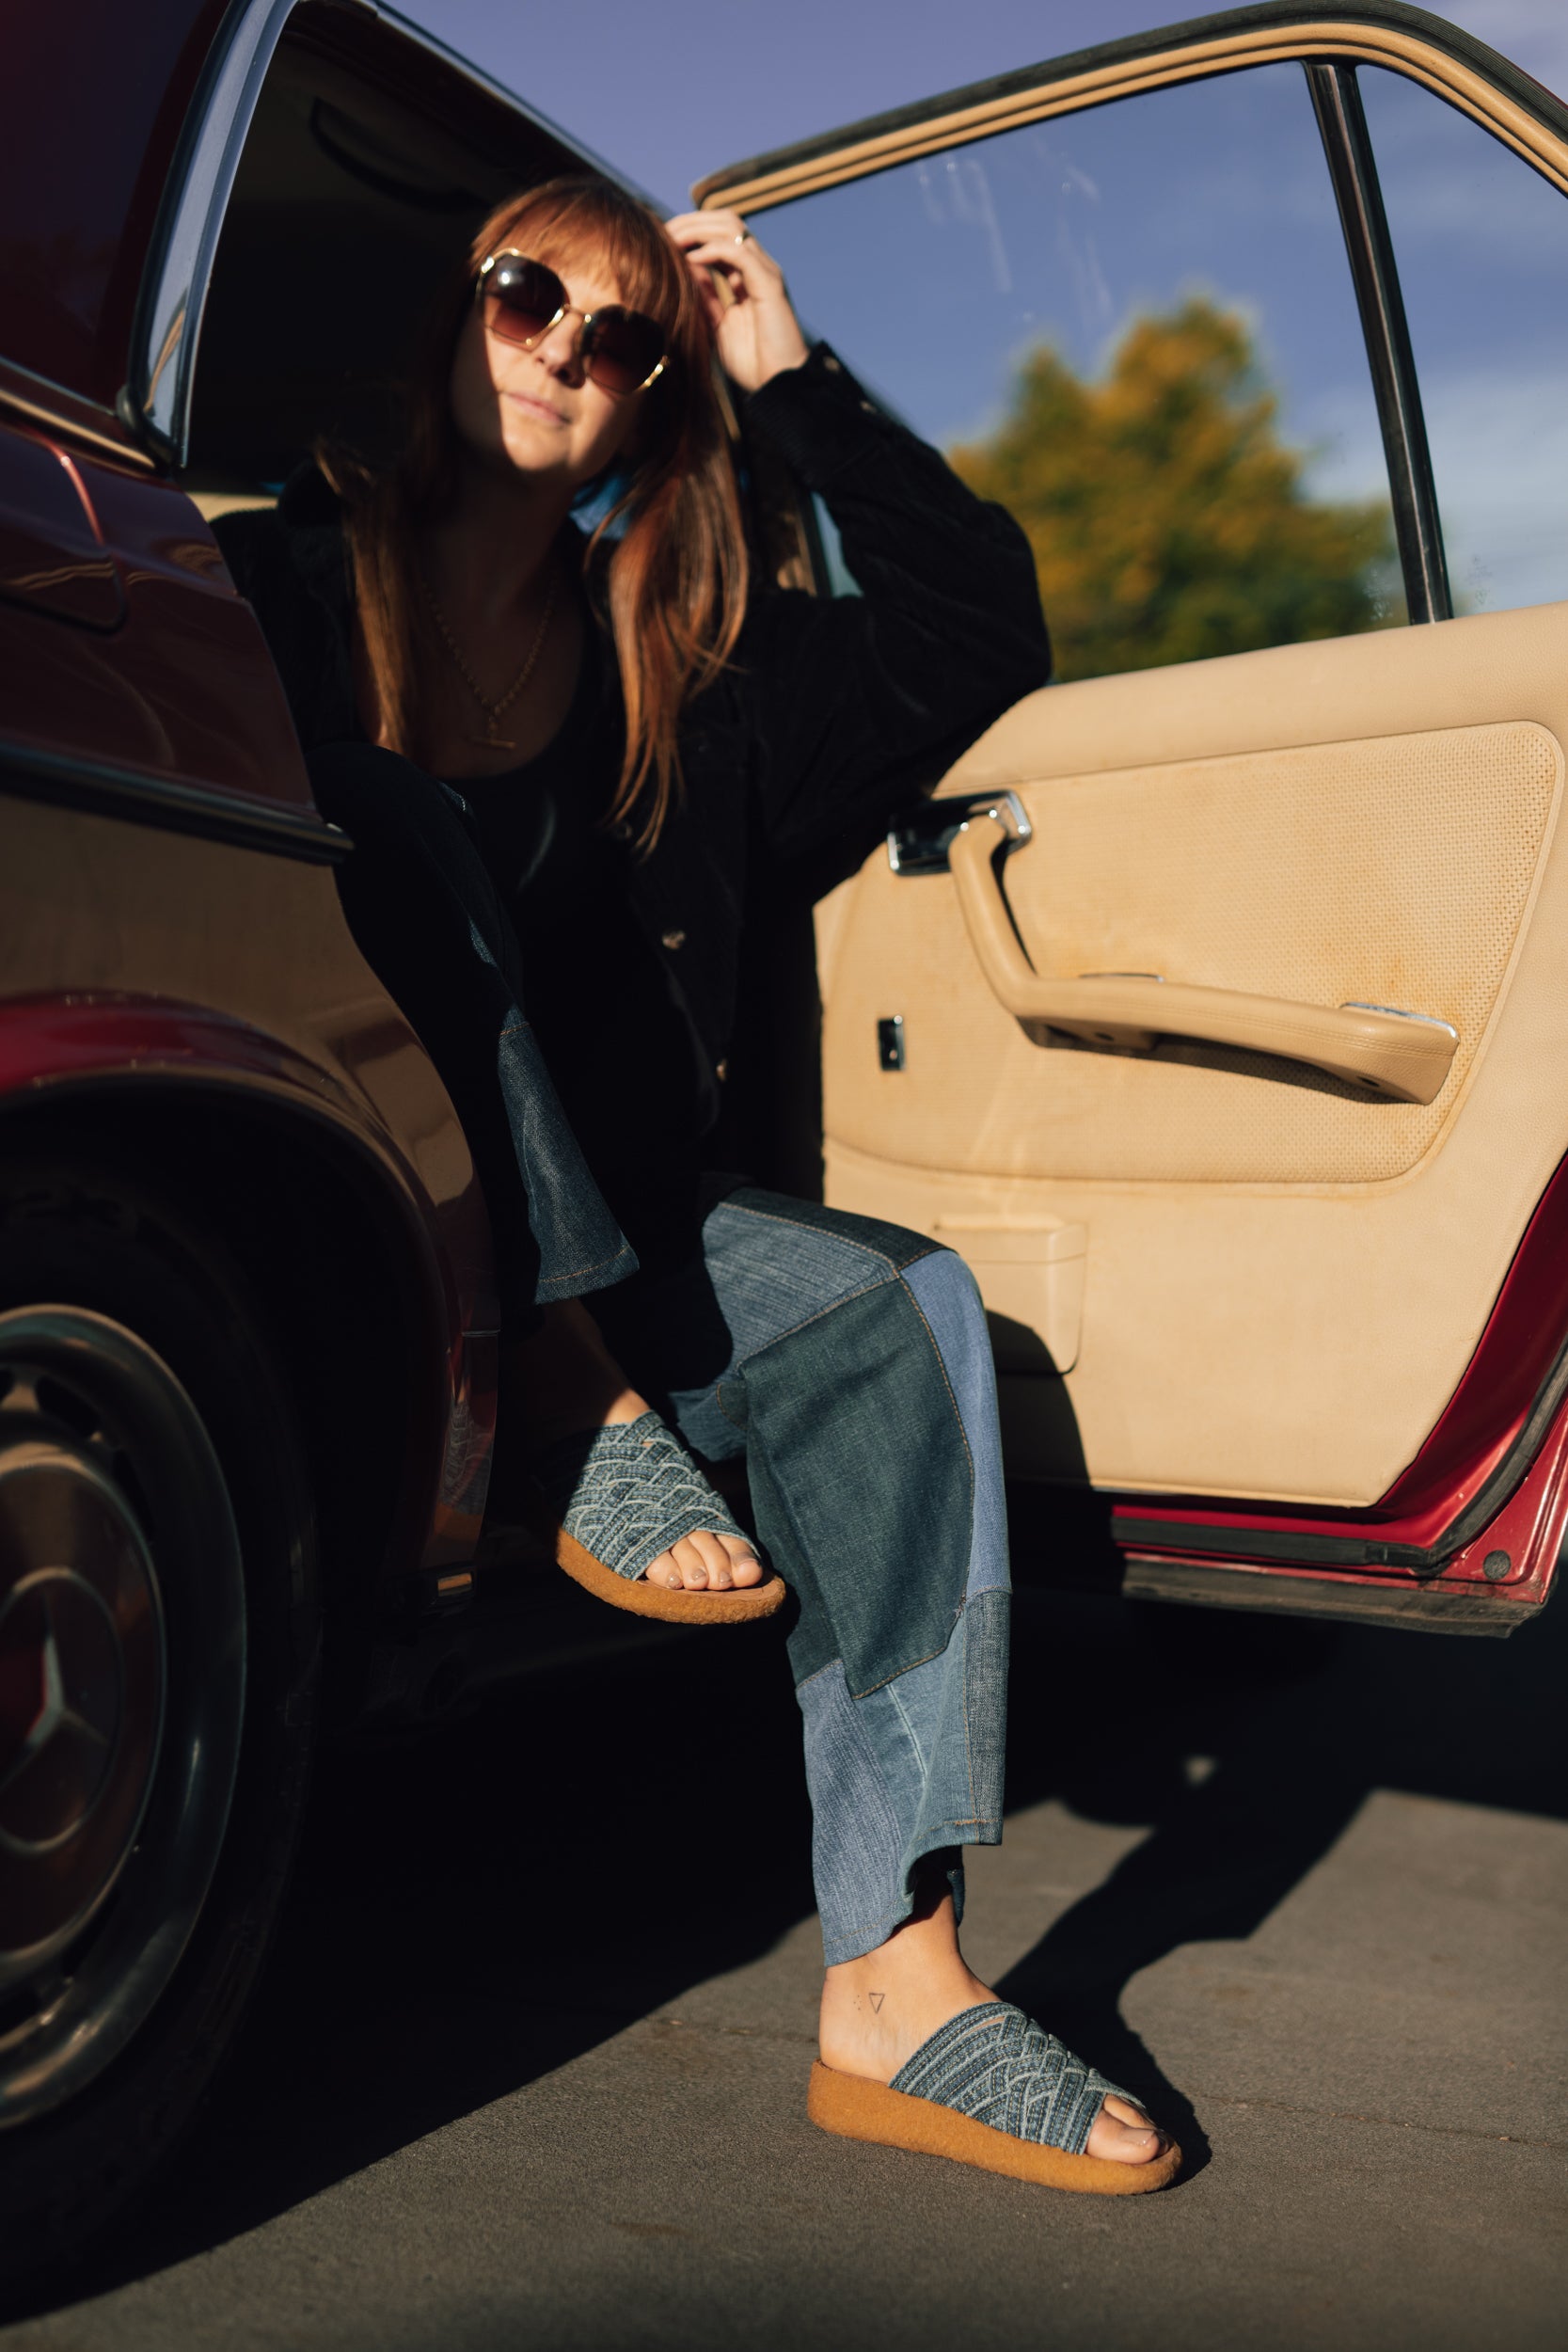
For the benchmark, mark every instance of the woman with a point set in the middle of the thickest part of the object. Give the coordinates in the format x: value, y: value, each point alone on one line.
x: 559, y: 761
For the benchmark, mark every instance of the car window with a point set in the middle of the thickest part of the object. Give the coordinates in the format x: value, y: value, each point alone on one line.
x: 97, y: 95
x: 1136, y: 327
x: 1481, y: 245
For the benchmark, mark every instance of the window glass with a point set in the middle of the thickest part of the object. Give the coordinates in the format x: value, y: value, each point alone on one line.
x: 94, y: 96
x: 1482, y: 245
x: 1136, y: 327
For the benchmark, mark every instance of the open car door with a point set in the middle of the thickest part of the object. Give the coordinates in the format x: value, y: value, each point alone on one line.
x: 1216, y: 1011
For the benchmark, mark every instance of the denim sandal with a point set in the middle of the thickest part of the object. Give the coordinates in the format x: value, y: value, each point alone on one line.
x: 991, y: 2088
x: 620, y: 1496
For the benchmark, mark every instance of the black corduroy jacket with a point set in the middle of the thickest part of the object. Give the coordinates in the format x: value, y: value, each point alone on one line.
x: 834, y: 711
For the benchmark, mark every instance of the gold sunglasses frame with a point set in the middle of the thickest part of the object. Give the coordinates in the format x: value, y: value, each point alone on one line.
x: 567, y: 311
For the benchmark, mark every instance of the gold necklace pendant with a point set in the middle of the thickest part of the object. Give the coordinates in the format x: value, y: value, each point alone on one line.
x: 492, y: 738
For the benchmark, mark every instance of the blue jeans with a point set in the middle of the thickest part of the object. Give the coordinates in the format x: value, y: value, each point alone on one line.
x: 850, y: 1362
x: 847, y: 1360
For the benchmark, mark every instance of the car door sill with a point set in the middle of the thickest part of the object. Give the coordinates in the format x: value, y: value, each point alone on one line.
x: 1423, y: 1607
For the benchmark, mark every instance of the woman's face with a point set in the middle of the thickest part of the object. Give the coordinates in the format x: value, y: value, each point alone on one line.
x: 536, y: 412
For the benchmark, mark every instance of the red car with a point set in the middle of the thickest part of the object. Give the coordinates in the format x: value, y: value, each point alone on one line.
x: 1217, y: 1010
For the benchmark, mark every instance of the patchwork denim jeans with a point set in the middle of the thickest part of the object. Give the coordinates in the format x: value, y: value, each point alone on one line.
x: 848, y: 1361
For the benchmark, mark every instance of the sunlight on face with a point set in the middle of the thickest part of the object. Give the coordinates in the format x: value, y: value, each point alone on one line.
x: 534, y: 412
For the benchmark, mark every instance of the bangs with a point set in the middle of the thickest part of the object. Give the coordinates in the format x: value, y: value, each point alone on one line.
x: 591, y: 221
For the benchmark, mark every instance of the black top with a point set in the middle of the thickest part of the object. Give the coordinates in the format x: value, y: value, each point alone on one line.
x: 832, y: 713
x: 614, y: 1035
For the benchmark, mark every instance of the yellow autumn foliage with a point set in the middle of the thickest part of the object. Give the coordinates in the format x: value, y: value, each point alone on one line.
x: 1168, y: 518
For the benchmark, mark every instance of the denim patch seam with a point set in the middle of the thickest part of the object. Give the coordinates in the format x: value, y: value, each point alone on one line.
x: 877, y: 1282
x: 800, y: 1225
x: 880, y: 1283
x: 963, y: 1438
x: 549, y: 1281
x: 910, y: 1666
x: 968, y: 1752
x: 821, y: 1219
x: 958, y: 1411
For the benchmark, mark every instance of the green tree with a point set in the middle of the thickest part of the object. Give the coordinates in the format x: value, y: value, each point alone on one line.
x: 1169, y: 520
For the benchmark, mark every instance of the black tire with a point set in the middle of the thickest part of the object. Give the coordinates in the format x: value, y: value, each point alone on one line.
x: 142, y: 1412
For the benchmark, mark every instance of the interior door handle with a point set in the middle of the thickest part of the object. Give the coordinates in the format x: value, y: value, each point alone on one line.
x: 1405, y: 1055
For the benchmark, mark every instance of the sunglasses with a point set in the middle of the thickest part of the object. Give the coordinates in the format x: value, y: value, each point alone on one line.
x: 621, y: 351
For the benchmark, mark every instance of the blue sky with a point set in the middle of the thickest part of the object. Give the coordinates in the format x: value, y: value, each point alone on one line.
x: 934, y: 279
x: 669, y: 89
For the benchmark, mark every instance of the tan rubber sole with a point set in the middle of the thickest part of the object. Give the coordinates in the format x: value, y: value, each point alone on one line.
x: 855, y: 2110
x: 738, y: 1607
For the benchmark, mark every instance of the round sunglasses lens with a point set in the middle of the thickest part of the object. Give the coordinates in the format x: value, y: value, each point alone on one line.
x: 521, y: 298
x: 622, y: 349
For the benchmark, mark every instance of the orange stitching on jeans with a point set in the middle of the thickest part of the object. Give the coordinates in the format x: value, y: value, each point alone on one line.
x: 878, y: 1283
x: 547, y: 1282
x: 799, y: 1225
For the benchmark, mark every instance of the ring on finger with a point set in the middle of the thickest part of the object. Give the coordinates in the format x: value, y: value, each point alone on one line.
x: 744, y: 238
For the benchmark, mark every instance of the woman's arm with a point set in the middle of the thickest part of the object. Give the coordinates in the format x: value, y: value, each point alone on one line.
x: 855, y: 701
x: 860, y: 701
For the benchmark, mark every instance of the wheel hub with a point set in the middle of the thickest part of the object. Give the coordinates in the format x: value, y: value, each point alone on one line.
x: 81, y: 1685
x: 123, y: 1679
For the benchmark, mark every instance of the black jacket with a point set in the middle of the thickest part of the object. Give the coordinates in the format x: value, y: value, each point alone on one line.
x: 835, y: 712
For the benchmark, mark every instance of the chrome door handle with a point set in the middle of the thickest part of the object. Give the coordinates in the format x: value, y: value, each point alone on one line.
x: 1406, y: 1056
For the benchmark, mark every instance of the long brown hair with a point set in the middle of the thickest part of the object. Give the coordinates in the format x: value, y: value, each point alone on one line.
x: 671, y: 583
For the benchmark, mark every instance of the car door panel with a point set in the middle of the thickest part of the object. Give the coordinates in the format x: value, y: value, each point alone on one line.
x: 1299, y: 1309
x: 1283, y: 1277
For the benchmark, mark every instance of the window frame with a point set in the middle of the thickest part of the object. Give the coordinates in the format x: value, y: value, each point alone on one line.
x: 1328, y: 42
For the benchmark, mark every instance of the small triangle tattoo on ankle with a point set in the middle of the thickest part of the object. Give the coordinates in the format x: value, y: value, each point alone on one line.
x: 876, y: 2000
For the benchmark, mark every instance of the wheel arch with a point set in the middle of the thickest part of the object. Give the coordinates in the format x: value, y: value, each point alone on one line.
x: 344, y: 1266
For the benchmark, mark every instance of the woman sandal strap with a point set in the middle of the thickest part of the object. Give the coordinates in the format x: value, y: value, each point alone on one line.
x: 622, y: 1495
x: 990, y: 2088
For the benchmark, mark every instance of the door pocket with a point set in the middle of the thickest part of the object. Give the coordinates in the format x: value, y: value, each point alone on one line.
x: 1031, y: 1278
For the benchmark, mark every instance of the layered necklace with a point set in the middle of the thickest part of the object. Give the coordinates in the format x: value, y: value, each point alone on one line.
x: 493, y: 740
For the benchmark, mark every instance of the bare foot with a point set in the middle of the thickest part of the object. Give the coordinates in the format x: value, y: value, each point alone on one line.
x: 705, y: 1562
x: 878, y: 2010
x: 563, y: 1379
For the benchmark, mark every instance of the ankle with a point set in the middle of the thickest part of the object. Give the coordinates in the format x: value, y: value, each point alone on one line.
x: 561, y: 1379
x: 597, y: 1409
x: 879, y: 2009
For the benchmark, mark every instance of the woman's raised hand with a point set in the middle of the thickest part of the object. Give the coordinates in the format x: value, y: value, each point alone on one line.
x: 756, y: 329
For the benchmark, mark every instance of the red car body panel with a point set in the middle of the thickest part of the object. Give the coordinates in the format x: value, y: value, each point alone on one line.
x: 127, y: 651
x: 163, y: 667
x: 55, y: 1046
x: 52, y: 552
x: 1482, y: 1443
x: 80, y: 209
x: 1523, y: 1538
x: 137, y: 684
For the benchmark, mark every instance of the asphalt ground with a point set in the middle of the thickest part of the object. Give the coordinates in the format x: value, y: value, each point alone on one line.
x: 529, y: 2069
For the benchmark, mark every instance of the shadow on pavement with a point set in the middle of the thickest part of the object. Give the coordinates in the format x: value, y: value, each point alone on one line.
x: 1249, y: 1744
x: 479, y: 1906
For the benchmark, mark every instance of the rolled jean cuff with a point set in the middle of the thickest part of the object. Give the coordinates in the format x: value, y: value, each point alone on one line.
x: 852, y: 1942
x: 576, y: 1281
x: 904, y: 1771
x: 580, y: 1247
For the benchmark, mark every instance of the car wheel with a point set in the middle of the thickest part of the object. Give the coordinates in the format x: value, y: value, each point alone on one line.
x: 158, y: 1664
